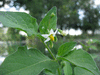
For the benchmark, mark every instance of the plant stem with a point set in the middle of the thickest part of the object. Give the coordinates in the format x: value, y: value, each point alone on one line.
x: 49, y: 51
x: 59, y: 72
x: 51, y: 55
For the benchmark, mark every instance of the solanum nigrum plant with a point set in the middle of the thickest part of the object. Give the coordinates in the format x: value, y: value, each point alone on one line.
x: 68, y: 60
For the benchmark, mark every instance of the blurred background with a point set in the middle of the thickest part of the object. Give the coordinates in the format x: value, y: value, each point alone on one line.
x: 80, y: 19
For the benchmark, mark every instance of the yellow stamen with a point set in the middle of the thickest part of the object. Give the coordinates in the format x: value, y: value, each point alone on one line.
x: 51, y: 37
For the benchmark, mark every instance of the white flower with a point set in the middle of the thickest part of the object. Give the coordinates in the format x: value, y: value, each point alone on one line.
x: 50, y: 36
x: 63, y: 33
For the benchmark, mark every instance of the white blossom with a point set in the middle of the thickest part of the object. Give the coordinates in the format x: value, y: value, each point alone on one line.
x: 50, y: 36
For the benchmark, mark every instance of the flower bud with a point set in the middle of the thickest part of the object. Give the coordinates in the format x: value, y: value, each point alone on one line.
x: 62, y: 32
x: 56, y: 39
x: 50, y: 44
x: 59, y: 30
x: 52, y: 15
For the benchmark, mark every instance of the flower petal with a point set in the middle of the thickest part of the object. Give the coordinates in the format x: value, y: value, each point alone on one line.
x: 47, y: 40
x: 56, y: 31
x: 51, y: 31
x: 45, y: 35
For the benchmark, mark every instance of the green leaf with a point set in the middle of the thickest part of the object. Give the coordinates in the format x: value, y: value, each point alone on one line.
x: 82, y: 59
x: 93, y: 47
x: 67, y: 68
x: 19, y: 20
x: 48, y: 22
x: 81, y: 71
x: 48, y: 73
x: 27, y: 62
x: 94, y: 55
x: 66, y: 48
